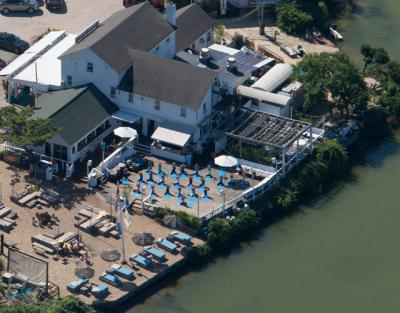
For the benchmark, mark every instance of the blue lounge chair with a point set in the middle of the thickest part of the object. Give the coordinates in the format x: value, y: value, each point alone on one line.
x: 155, y: 253
x: 110, y: 279
x: 121, y: 271
x: 181, y: 237
x: 167, y: 245
x: 100, y: 291
x: 141, y: 261
x: 76, y: 285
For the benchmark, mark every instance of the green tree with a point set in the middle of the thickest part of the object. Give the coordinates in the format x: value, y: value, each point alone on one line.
x: 375, y: 126
x: 347, y: 86
x: 22, y: 130
x: 291, y: 19
x: 237, y: 41
x: 313, y: 72
x: 69, y: 304
x: 219, y: 235
x: 334, y: 156
x: 244, y: 222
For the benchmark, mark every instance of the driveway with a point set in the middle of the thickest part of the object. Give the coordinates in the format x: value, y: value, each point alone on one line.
x: 75, y: 16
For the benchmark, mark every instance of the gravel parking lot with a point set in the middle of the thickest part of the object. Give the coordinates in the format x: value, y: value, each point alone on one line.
x: 76, y: 15
x: 73, y: 17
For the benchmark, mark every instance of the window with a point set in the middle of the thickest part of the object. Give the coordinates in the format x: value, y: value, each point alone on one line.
x: 60, y: 152
x: 183, y: 112
x: 89, y: 67
x: 130, y: 97
x: 209, y: 36
x: 112, y: 92
x: 107, y: 124
x: 157, y: 105
x: 81, y: 144
x: 204, y: 108
x: 91, y: 137
x: 99, y: 129
x: 47, y: 149
x: 69, y: 80
x: 73, y: 149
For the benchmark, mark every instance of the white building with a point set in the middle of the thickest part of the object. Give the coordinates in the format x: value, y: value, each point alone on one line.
x: 194, y: 28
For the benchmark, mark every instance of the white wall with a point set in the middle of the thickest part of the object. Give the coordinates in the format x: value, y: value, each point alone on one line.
x: 103, y: 76
x: 166, y: 48
x: 204, y: 40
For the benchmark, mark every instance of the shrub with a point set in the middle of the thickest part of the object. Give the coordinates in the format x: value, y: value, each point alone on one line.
x: 244, y: 223
x: 219, y: 235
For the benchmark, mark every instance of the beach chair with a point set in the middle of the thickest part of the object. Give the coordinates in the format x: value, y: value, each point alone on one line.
x: 76, y: 285
x: 110, y: 279
x: 121, y: 271
x: 99, y: 291
x: 141, y: 260
x: 167, y: 245
x: 181, y: 237
x: 155, y: 253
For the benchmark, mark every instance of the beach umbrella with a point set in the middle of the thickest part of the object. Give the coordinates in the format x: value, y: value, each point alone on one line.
x: 125, y: 132
x: 111, y: 255
x: 226, y: 161
x: 84, y: 272
x: 143, y: 239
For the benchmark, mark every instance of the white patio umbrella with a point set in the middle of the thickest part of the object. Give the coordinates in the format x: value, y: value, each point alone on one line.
x: 125, y: 132
x: 226, y: 161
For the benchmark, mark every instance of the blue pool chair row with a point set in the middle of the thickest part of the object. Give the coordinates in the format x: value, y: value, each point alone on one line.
x: 181, y: 237
x: 155, y: 253
x: 110, y: 279
x: 121, y: 271
x: 76, y: 285
x: 141, y: 260
x: 167, y: 245
x: 99, y: 291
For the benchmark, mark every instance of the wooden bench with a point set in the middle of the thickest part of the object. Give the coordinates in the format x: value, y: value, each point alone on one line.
x: 5, y: 225
x: 38, y: 247
x: 7, y: 219
x: 4, y: 212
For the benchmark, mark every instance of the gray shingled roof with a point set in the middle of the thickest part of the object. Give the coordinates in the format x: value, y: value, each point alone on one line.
x: 76, y: 111
x: 191, y: 22
x: 168, y: 80
x: 139, y: 27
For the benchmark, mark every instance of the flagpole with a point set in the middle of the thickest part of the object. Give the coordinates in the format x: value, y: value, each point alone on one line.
x: 121, y: 224
x: 119, y: 210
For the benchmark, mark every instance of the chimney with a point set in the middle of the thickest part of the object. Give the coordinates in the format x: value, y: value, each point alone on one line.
x: 171, y: 13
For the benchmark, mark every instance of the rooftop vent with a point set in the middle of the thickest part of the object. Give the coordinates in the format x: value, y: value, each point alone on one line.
x: 87, y: 31
x: 232, y: 66
x: 205, y: 55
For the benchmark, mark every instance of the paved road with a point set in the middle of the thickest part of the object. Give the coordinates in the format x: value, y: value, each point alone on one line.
x: 76, y: 15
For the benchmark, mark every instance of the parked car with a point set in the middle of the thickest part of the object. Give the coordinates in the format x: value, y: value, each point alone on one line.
x: 3, y: 64
x: 12, y: 43
x: 54, y: 4
x: 7, y: 6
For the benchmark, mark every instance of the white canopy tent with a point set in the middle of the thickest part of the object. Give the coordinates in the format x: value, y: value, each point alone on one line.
x: 170, y: 136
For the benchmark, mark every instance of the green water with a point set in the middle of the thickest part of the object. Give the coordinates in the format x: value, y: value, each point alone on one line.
x: 376, y: 22
x: 340, y: 255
